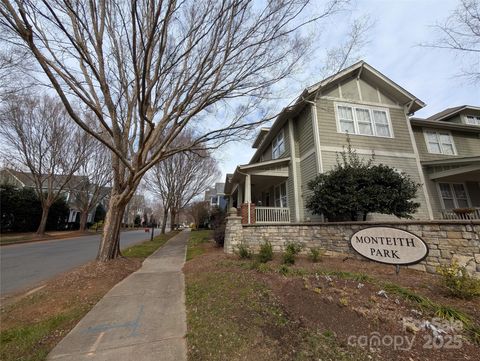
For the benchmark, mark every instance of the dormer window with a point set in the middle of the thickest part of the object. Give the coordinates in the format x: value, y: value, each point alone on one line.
x: 278, y: 145
x: 472, y: 120
x: 439, y: 142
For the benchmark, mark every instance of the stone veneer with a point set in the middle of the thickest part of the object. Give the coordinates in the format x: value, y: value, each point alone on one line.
x: 447, y: 240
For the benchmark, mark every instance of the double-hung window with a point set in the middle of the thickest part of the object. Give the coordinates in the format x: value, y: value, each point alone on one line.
x: 453, y: 195
x: 278, y: 145
x: 363, y: 120
x: 280, y: 193
x: 439, y: 142
x: 472, y: 120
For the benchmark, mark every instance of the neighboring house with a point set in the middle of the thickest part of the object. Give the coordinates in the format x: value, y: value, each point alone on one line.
x: 442, y: 153
x: 71, y: 192
x: 216, y: 196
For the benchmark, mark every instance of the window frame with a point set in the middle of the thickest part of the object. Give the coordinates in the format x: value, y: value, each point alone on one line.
x: 370, y: 110
x: 277, y: 191
x: 437, y: 133
x: 452, y: 190
x: 276, y: 144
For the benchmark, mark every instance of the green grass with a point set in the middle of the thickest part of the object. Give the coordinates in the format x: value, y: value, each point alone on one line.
x: 145, y: 249
x: 232, y: 316
x: 30, y: 342
x: 197, y: 238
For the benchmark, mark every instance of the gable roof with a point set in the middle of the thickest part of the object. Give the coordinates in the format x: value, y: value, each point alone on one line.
x: 26, y: 179
x: 358, y: 69
x: 364, y: 69
x: 450, y: 112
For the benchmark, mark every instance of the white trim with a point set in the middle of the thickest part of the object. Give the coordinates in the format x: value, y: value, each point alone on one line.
x: 283, y: 172
x: 279, y: 186
x: 354, y: 107
x: 383, y: 153
x: 265, y: 163
x: 420, y: 169
x: 437, y: 132
x: 362, y: 102
x: 358, y: 89
x: 454, y: 171
x: 296, y: 188
x: 379, y: 97
x: 340, y: 91
x: 316, y: 138
x: 439, y: 191
x: 307, y: 154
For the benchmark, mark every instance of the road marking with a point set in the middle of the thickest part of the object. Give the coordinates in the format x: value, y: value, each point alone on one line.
x: 95, y: 345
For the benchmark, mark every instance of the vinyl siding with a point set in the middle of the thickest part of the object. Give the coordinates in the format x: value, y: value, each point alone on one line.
x: 467, y: 145
x: 304, y: 132
x: 308, y: 171
x: 329, y: 136
x: 407, y: 165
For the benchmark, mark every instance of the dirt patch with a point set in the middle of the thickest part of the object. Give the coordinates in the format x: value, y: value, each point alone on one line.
x: 33, y: 324
x: 324, y: 310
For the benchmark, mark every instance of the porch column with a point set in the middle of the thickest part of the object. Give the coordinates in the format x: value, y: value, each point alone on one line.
x: 248, y: 197
x: 239, y: 196
x: 248, y: 189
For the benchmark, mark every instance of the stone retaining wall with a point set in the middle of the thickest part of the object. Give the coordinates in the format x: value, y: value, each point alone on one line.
x: 447, y: 240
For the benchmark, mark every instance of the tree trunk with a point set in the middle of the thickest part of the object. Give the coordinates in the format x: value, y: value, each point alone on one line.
x: 110, y: 244
x: 164, y: 220
x: 43, y: 221
x: 173, y: 215
x: 83, y: 221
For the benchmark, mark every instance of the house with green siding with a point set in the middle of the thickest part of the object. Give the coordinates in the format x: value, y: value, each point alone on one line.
x: 441, y: 152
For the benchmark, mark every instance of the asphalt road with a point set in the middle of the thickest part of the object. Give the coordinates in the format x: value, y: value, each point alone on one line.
x: 26, y: 265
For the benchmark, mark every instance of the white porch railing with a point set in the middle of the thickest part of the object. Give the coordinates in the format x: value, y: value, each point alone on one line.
x: 272, y: 215
x: 450, y: 214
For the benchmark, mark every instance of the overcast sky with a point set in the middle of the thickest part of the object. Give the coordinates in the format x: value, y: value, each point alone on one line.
x: 400, y: 25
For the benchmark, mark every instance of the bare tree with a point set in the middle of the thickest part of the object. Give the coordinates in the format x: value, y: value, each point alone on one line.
x: 39, y: 135
x: 348, y: 52
x: 148, y: 69
x: 178, y: 179
x: 96, y: 173
x: 199, y: 212
x: 460, y: 32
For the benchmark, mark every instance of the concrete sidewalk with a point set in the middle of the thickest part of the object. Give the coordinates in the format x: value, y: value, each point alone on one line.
x: 141, y: 318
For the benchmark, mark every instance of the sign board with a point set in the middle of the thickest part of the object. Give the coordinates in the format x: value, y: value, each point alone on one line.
x: 389, y: 245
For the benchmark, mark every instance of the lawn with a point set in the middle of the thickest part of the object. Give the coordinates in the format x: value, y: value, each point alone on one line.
x: 31, y: 325
x: 246, y: 310
x: 197, y: 241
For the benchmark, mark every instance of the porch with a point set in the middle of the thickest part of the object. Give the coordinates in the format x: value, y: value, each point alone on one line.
x: 458, y: 189
x: 259, y: 192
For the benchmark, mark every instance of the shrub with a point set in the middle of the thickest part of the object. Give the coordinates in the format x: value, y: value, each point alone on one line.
x: 293, y: 247
x: 316, y: 253
x: 458, y: 282
x: 288, y: 258
x: 219, y: 235
x: 266, y: 252
x: 284, y: 270
x: 244, y: 251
